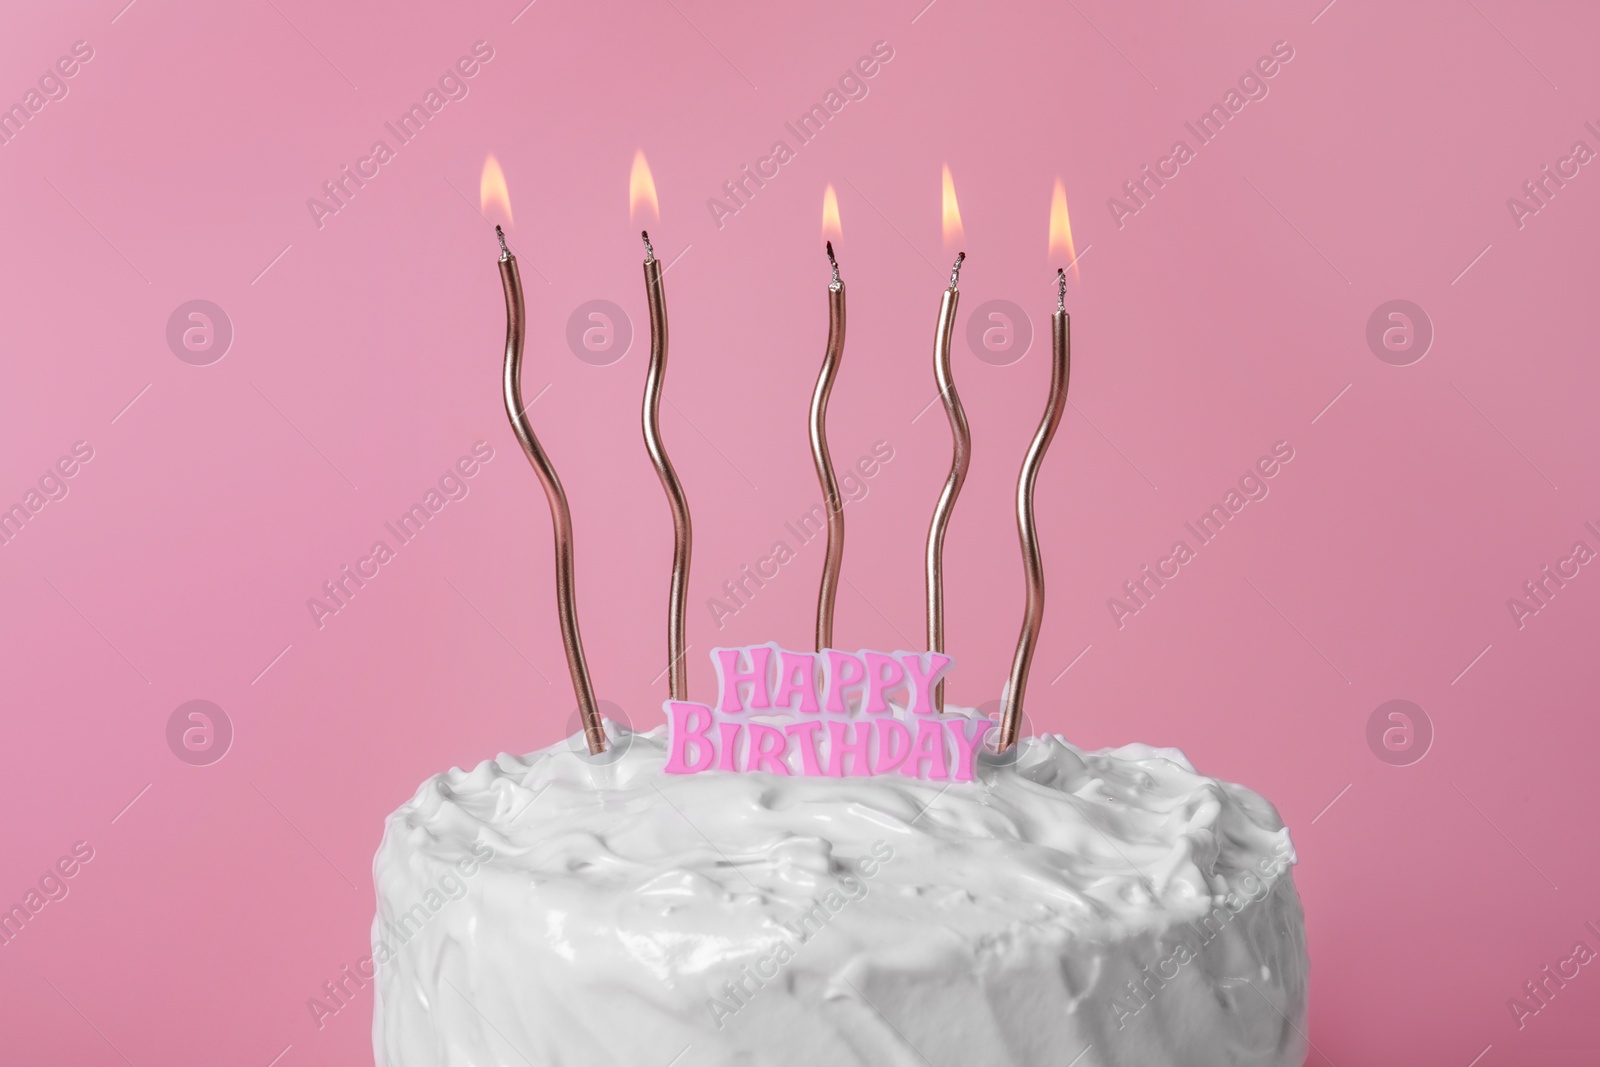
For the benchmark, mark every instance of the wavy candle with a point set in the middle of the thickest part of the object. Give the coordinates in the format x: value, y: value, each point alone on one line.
x: 642, y: 195
x: 961, y: 454
x: 834, y: 556
x: 560, y: 513
x: 1027, y: 531
x: 960, y: 460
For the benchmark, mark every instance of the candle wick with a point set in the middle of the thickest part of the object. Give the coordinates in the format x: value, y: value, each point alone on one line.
x: 955, y: 271
x: 505, y: 253
x: 649, y: 251
x: 836, y: 284
x: 1061, y: 289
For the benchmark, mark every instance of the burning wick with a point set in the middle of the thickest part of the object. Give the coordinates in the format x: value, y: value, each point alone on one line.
x: 1032, y: 564
x: 834, y: 557
x: 960, y: 460
x: 682, y: 531
x: 560, y: 513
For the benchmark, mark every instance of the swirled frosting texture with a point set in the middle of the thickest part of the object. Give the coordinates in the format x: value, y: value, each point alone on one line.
x: 1114, y: 906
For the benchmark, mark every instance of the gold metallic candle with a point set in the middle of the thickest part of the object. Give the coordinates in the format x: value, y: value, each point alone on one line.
x: 560, y: 514
x: 682, y: 533
x: 819, y: 453
x: 1032, y: 564
x: 959, y: 462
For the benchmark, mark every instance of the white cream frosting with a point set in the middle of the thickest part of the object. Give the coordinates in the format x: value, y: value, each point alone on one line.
x: 626, y: 917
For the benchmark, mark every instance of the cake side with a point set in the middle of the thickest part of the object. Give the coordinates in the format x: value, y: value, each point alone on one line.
x: 551, y: 910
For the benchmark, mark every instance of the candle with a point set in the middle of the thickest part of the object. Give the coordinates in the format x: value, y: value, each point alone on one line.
x: 961, y: 458
x: 642, y: 194
x: 819, y: 431
x: 560, y: 514
x: 1032, y: 564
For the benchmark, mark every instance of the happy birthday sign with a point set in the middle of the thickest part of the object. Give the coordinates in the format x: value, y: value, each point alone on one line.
x: 825, y: 714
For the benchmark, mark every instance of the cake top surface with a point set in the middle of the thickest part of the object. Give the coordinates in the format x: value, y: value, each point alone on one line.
x: 1089, y: 845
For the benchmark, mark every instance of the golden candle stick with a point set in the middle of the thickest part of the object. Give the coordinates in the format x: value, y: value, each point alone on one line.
x: 682, y: 531
x: 1032, y: 564
x: 834, y: 557
x: 560, y: 513
x: 959, y: 462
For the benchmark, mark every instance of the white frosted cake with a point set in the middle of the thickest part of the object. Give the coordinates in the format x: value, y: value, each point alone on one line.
x: 1073, y: 908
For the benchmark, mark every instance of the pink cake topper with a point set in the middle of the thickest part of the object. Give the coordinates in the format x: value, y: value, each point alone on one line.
x: 830, y: 713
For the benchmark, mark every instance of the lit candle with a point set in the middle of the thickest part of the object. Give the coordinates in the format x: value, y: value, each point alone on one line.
x: 642, y: 197
x: 962, y: 456
x: 819, y: 429
x: 1032, y: 564
x: 493, y: 193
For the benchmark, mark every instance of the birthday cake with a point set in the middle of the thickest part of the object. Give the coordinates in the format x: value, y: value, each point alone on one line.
x: 1063, y: 907
x: 828, y: 866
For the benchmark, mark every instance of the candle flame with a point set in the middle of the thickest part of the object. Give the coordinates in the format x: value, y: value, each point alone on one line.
x: 1062, y: 251
x: 830, y: 214
x: 642, y: 192
x: 494, y: 199
x: 954, y: 234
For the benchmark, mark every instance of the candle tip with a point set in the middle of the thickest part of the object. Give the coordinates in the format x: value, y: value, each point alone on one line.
x: 955, y: 271
x: 836, y: 284
x: 1061, y: 288
x: 500, y: 235
x: 649, y: 250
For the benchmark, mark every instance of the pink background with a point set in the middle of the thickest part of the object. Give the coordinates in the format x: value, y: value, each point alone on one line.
x: 1225, y: 316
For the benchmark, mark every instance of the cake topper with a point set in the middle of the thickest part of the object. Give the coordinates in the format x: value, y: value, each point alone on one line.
x: 829, y: 713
